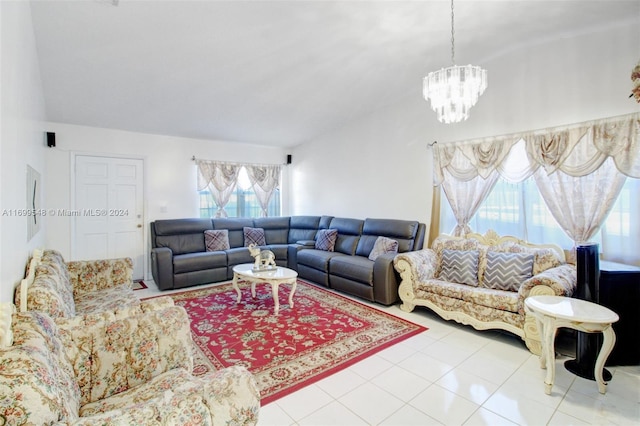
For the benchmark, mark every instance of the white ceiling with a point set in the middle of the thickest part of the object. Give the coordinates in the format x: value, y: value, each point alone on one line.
x: 273, y: 72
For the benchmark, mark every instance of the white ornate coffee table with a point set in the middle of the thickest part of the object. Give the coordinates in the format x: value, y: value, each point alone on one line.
x: 280, y: 275
x: 553, y: 312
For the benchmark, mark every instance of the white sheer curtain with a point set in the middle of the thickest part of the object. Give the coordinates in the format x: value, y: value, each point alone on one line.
x: 465, y: 198
x: 265, y: 179
x: 578, y: 170
x: 580, y: 204
x: 221, y: 180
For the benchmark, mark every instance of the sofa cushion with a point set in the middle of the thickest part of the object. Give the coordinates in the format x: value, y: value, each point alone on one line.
x: 507, y: 271
x: 402, y: 231
x: 439, y: 291
x: 216, y: 240
x: 356, y: 268
x: 254, y: 236
x: 460, y: 266
x: 199, y: 261
x: 235, y: 226
x: 383, y: 245
x: 316, y: 259
x: 326, y: 239
x: 303, y: 228
x: 276, y: 229
x: 238, y: 255
x: 349, y: 232
x: 107, y: 299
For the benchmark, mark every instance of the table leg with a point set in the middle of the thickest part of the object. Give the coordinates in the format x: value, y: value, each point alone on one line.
x: 253, y: 289
x: 609, y: 340
x: 548, y: 348
x: 294, y: 283
x: 543, y: 355
x: 274, y: 292
x: 234, y: 283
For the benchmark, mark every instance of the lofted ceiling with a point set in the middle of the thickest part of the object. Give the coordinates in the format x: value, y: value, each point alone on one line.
x: 273, y: 73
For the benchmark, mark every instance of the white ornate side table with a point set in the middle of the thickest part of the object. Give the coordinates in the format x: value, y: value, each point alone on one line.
x: 275, y: 277
x: 553, y: 312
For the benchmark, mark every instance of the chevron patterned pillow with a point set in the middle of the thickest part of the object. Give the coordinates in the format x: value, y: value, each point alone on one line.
x: 459, y: 266
x: 507, y: 271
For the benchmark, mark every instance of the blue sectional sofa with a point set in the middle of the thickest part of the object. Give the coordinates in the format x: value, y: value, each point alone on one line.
x: 179, y: 257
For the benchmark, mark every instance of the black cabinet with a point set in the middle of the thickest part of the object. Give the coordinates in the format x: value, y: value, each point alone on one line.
x: 619, y: 290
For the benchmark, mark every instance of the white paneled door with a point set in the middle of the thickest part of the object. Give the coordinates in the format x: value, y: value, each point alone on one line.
x: 109, y: 210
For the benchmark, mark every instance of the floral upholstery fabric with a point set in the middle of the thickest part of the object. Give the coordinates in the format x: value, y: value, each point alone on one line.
x: 92, y: 275
x: 135, y: 370
x: 561, y: 280
x: 497, y: 299
x: 440, y: 244
x: 479, y: 306
x: 148, y: 344
x: 227, y: 396
x: 50, y: 292
x: 105, y: 300
x: 37, y: 384
x: 63, y: 290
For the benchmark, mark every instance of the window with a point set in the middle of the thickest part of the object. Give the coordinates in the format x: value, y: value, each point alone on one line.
x: 243, y: 201
x: 518, y: 209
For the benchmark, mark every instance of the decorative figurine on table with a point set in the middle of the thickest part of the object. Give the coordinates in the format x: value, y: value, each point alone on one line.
x: 265, y: 260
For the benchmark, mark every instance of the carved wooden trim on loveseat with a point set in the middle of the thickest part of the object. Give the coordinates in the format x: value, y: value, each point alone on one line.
x: 480, y: 307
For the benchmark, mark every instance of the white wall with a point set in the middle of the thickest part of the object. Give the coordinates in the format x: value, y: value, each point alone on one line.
x: 170, y: 174
x: 381, y: 166
x: 22, y: 132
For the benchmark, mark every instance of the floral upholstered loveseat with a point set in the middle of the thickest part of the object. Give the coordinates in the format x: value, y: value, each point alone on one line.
x: 483, y: 280
x: 135, y: 370
x: 65, y: 289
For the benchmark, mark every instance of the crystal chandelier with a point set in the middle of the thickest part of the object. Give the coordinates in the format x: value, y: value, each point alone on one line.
x: 454, y: 90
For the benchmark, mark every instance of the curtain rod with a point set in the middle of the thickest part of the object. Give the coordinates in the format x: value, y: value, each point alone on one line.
x: 548, y: 129
x: 193, y: 158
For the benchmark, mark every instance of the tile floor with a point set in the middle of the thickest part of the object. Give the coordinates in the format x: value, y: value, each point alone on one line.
x: 454, y: 375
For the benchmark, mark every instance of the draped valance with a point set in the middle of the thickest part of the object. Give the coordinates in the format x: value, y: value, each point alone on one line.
x: 576, y: 151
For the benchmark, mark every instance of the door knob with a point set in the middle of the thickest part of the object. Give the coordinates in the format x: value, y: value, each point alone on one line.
x: 139, y: 226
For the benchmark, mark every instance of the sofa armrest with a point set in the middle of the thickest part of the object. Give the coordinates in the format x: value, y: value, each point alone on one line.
x: 162, y: 267
x: 385, y: 279
x: 92, y: 275
x: 109, y: 357
x: 229, y: 396
x: 559, y: 281
x: 103, y: 316
x: 414, y: 267
x: 293, y: 249
x: 417, y: 265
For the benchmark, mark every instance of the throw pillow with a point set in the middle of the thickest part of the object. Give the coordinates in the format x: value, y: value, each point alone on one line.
x: 326, y: 239
x: 254, y: 236
x: 383, y: 245
x: 216, y: 240
x: 459, y: 266
x: 507, y: 271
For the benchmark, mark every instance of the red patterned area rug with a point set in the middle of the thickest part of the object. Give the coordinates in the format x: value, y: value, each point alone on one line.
x: 322, y: 334
x: 139, y: 285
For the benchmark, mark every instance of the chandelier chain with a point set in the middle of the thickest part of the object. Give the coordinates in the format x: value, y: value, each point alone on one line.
x: 453, y: 49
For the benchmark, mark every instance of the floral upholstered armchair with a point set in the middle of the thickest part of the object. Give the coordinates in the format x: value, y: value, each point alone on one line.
x: 65, y: 289
x: 135, y: 370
